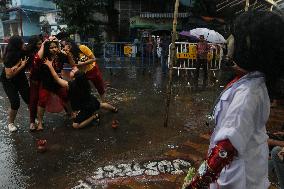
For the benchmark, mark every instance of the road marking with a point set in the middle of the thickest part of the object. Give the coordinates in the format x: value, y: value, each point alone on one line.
x: 134, y: 169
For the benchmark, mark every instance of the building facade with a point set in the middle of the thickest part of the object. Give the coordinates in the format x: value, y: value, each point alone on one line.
x: 28, y: 17
x: 134, y: 16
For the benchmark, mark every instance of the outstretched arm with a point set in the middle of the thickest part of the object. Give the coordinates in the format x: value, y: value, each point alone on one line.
x: 60, y: 81
x: 272, y: 142
x: 90, y: 61
x: 221, y: 155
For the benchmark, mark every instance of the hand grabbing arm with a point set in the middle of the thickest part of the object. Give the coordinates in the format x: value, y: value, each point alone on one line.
x: 60, y: 81
x: 12, y: 72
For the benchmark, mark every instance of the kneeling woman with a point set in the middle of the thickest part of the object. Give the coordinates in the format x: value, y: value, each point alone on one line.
x: 82, y: 101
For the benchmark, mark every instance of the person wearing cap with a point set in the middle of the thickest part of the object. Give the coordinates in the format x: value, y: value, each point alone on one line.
x: 238, y: 151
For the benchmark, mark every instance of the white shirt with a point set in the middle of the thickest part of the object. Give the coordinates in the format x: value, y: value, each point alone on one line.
x: 240, y: 116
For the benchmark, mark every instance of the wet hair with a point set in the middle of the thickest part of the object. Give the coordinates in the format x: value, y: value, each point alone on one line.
x: 32, y: 44
x: 14, y: 51
x: 75, y: 50
x: 259, y: 43
x: 79, y: 89
x: 46, y: 51
x: 32, y: 47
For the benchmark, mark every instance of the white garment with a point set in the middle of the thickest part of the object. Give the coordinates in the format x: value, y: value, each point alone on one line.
x: 240, y: 116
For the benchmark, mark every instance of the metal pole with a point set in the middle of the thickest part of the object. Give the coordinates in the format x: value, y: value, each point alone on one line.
x: 172, y: 61
x: 247, y: 5
x: 21, y: 22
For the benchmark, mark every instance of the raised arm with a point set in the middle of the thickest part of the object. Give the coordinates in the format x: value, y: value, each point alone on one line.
x: 90, y: 61
x: 60, y: 81
x: 86, y: 51
x: 41, y: 50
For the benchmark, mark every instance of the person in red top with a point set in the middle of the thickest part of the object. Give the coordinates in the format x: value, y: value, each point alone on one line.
x: 34, y: 62
x: 202, y: 51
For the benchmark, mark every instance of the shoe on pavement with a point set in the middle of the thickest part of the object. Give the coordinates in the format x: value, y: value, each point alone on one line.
x: 12, y: 127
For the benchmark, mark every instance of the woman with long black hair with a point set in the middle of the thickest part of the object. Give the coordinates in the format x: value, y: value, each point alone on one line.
x: 33, y: 47
x: 85, y: 61
x: 13, y: 77
x: 48, y: 86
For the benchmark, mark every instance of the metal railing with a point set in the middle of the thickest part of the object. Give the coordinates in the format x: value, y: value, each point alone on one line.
x: 187, y: 56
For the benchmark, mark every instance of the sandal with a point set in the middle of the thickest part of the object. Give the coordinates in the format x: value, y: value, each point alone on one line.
x: 32, y: 127
x: 114, y: 110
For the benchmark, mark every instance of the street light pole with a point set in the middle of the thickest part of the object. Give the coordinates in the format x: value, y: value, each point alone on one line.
x: 172, y: 61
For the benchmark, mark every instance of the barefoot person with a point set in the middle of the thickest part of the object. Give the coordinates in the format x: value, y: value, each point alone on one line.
x: 82, y: 101
x: 48, y: 84
x: 33, y: 47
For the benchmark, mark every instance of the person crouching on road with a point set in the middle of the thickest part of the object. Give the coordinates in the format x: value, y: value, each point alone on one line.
x: 82, y: 101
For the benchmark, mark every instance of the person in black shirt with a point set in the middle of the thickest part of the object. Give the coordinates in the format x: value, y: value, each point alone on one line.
x: 48, y: 84
x: 82, y: 101
x: 14, y: 79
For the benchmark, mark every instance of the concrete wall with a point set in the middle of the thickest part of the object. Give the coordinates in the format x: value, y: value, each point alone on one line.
x: 31, y: 25
x: 36, y: 3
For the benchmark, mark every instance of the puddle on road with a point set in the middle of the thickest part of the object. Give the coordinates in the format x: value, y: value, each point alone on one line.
x: 75, y: 154
x: 11, y: 173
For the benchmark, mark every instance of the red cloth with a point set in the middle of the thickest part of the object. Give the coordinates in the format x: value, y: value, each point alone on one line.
x: 95, y: 76
x: 221, y: 155
x: 54, y: 104
x: 35, y: 68
x: 202, y: 50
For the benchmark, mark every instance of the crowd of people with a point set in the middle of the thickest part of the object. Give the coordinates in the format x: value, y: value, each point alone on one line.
x: 44, y: 60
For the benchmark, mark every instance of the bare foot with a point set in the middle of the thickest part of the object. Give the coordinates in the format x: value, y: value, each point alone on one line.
x: 33, y: 127
x: 39, y: 127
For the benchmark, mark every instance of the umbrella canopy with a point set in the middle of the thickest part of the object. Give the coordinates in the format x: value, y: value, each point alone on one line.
x: 189, y: 36
x: 209, y: 35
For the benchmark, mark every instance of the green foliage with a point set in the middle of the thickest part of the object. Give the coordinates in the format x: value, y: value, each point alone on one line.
x: 3, y: 4
x: 204, y: 7
x: 79, y: 15
x: 188, y: 178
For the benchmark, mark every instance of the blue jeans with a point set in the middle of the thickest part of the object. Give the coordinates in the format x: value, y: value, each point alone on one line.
x: 277, y: 165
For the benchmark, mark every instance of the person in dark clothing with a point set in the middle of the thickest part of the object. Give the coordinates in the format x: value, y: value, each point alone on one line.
x: 82, y: 101
x: 14, y: 79
x: 48, y: 84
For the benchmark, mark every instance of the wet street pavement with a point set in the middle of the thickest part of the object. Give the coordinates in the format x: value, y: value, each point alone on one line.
x: 139, y: 153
